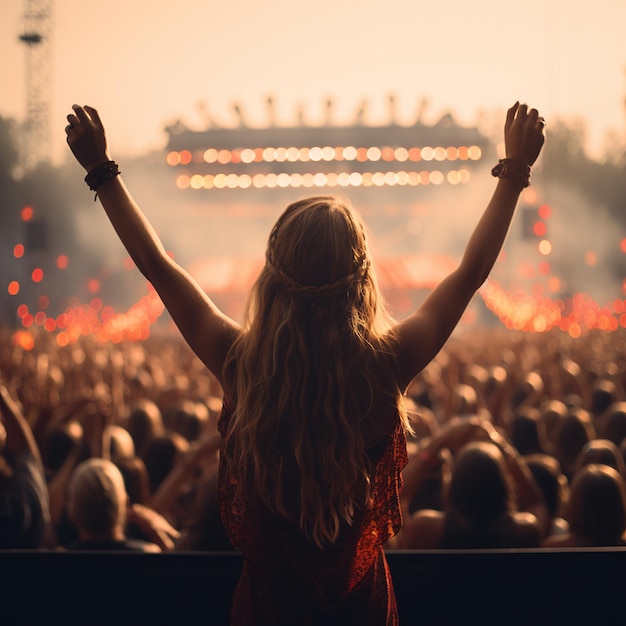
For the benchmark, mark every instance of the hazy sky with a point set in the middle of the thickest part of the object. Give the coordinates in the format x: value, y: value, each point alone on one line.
x: 143, y: 63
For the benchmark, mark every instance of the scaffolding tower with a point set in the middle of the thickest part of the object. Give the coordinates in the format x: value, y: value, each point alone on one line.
x: 36, y: 35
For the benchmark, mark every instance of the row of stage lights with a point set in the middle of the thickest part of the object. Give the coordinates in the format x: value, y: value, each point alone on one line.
x: 321, y: 179
x: 327, y: 153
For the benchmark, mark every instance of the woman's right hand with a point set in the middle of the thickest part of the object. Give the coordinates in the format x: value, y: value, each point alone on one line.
x: 523, y: 133
x: 86, y: 137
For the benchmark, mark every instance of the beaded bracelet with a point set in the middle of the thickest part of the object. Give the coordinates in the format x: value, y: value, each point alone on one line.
x: 100, y: 174
x: 514, y: 169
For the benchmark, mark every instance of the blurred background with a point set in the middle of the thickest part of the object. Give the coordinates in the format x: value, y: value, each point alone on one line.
x: 219, y: 114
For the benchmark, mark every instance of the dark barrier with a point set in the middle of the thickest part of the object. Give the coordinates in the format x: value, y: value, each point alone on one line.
x: 488, y: 587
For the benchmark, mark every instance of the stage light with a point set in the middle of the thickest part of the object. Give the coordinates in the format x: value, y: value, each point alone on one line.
x: 427, y: 153
x: 415, y: 154
x: 436, y: 177
x: 315, y: 154
x: 401, y: 154
x: 224, y: 157
x: 328, y: 153
x: 349, y: 153
x: 474, y: 153
x: 440, y: 154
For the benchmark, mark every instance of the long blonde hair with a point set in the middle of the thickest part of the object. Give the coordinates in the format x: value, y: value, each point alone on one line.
x: 314, y: 354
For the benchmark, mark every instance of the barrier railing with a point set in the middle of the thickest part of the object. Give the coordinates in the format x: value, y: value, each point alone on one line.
x: 432, y: 587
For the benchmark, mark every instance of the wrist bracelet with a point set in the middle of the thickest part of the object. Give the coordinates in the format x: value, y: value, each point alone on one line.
x: 100, y: 174
x: 513, y: 169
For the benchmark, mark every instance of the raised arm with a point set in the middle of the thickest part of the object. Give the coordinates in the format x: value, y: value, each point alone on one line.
x: 206, y: 329
x: 423, y: 334
x: 19, y: 436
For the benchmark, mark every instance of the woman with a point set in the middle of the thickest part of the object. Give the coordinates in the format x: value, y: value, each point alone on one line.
x: 313, y: 436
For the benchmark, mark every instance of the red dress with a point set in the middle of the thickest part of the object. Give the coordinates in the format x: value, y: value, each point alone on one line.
x: 287, y: 580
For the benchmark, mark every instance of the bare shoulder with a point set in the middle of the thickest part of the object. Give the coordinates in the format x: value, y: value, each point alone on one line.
x: 423, y: 530
x: 566, y: 540
x: 527, y: 529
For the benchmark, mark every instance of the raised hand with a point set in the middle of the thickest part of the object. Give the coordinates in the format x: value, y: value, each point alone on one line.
x: 86, y: 137
x: 523, y: 133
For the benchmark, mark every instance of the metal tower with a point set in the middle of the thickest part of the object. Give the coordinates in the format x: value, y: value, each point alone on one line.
x: 37, y: 35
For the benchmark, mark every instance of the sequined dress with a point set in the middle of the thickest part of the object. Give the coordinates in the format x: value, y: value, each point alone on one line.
x: 287, y: 580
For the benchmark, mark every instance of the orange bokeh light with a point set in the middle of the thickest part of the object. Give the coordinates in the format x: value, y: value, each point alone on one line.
x: 544, y: 211
x: 27, y: 214
x: 50, y: 324
x: 13, y: 288
x: 18, y: 251
x: 24, y: 340
x: 62, y: 261
x: 590, y: 258
x: 37, y: 275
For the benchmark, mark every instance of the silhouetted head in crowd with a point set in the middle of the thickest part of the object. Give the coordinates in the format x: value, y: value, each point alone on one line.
x: 97, y: 501
x: 528, y: 391
x: 576, y: 431
x: 59, y: 443
x: 161, y: 455
x: 121, y: 443
x: 144, y: 423
x: 528, y: 433
x: 597, y: 509
x: 614, y: 423
x: 480, y: 490
x: 551, y: 481
x: 136, y: 479
x: 553, y: 414
x: 464, y: 400
x: 603, y: 395
x: 604, y: 452
x: 187, y: 417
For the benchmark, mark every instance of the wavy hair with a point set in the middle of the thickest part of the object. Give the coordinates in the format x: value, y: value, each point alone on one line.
x: 314, y: 355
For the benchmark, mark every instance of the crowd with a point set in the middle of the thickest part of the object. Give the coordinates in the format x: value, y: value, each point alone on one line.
x: 518, y: 441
